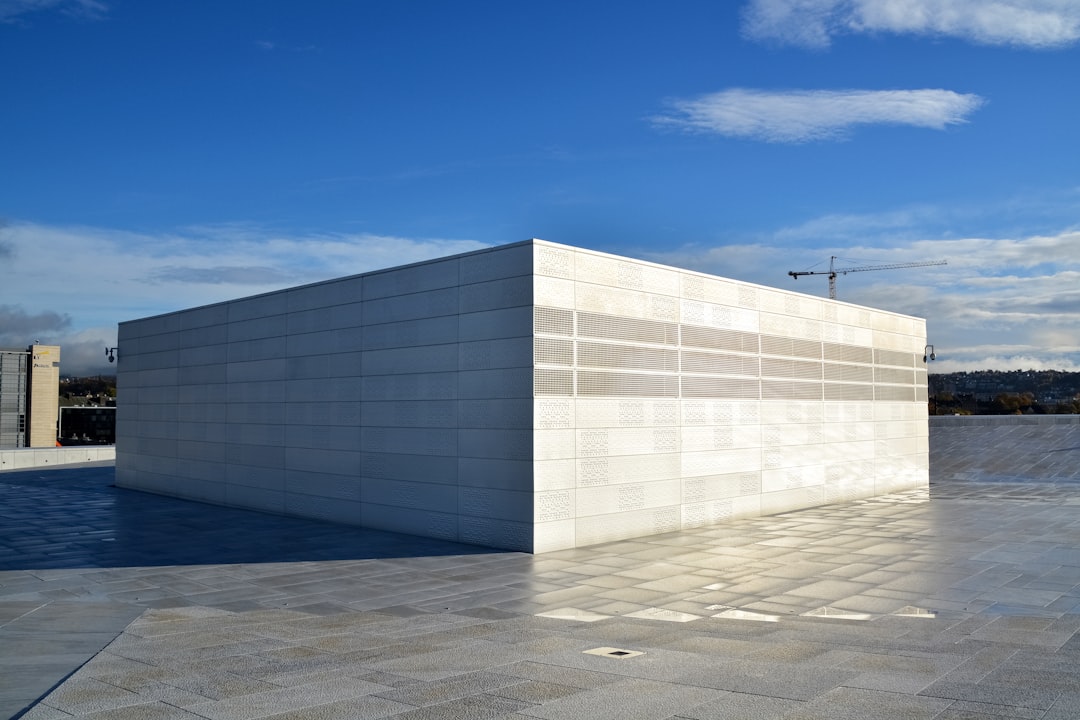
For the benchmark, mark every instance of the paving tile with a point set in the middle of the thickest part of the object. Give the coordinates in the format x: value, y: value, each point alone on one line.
x: 241, y: 615
x: 639, y: 699
x: 261, y: 704
x: 87, y: 695
x: 964, y: 710
x: 474, y: 706
x: 360, y: 708
x: 857, y: 704
x: 742, y: 706
x: 440, y: 664
x: 782, y: 680
x: 452, y: 688
x: 41, y: 711
x: 559, y: 674
x: 1019, y: 696
x: 534, y: 692
x: 149, y: 711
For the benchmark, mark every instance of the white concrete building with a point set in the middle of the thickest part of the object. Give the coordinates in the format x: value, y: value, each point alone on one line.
x: 532, y: 396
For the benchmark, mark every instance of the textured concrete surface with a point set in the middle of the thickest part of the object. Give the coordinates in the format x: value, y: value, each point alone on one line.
x: 1006, y: 454
x: 959, y: 603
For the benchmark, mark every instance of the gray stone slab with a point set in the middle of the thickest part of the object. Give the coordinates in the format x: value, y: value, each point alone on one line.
x: 641, y: 699
x: 1012, y: 695
x: 290, y: 699
x: 965, y: 710
x: 741, y: 706
x: 858, y: 704
x: 781, y: 680
x: 447, y: 614
x: 441, y: 664
x: 452, y: 688
x: 559, y: 674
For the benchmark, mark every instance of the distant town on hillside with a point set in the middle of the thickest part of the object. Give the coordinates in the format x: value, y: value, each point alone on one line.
x: 1004, y: 392
x: 92, y: 391
x: 980, y: 392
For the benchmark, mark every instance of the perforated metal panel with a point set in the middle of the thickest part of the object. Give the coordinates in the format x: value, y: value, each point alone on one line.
x: 893, y: 357
x: 594, y: 325
x: 894, y: 376
x: 848, y: 391
x: 748, y: 296
x: 554, y: 262
x: 839, y: 352
x: 894, y: 393
x: 720, y: 387
x: 552, y: 351
x: 790, y: 347
x: 554, y: 292
x: 788, y: 326
x: 718, y: 339
x: 626, y: 384
x: 719, y: 363
x: 710, y: 289
x: 553, y: 321
x: 553, y: 382
x: 794, y: 369
x: 848, y: 373
x: 630, y: 357
x: 793, y: 390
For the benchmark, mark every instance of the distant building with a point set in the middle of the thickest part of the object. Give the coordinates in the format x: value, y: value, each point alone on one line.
x: 87, y: 425
x: 531, y: 397
x: 29, y: 388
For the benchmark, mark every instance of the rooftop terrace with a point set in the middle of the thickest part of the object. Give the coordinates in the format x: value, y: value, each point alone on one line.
x: 963, y: 602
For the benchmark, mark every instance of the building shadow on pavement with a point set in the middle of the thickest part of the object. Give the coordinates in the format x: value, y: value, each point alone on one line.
x: 67, y: 518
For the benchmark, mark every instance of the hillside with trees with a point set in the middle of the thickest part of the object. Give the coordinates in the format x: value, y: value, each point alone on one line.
x: 97, y: 390
x: 1008, y: 392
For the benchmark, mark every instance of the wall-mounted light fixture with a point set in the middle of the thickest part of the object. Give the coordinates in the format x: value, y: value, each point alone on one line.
x: 110, y: 352
x: 928, y: 352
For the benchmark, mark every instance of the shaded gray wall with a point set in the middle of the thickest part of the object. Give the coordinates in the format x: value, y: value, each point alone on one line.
x: 399, y: 400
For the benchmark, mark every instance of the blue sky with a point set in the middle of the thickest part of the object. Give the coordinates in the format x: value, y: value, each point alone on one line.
x: 160, y: 155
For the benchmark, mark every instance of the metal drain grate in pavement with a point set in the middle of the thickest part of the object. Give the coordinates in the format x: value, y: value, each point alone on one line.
x: 616, y: 653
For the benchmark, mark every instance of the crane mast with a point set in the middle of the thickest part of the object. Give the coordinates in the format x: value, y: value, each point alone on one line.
x: 833, y: 271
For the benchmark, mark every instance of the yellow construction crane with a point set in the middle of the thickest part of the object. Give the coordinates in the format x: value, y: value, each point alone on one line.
x: 833, y: 271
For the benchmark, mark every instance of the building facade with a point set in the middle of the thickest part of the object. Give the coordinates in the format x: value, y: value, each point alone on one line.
x: 29, y: 393
x: 532, y: 396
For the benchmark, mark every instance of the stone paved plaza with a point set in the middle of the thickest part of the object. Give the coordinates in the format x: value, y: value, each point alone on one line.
x: 960, y: 603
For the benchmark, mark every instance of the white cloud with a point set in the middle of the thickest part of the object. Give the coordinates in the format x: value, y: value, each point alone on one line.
x: 1000, y: 303
x: 1020, y: 361
x: 752, y: 262
x: 796, y: 116
x: 813, y: 23
x: 10, y: 10
x: 109, y: 276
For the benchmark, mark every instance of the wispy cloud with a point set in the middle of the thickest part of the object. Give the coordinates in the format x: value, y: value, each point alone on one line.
x: 797, y: 116
x: 7, y: 248
x: 16, y: 325
x: 271, y: 46
x: 1034, y: 24
x: 221, y: 275
x: 116, y: 275
x: 1000, y: 303
x: 11, y: 10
